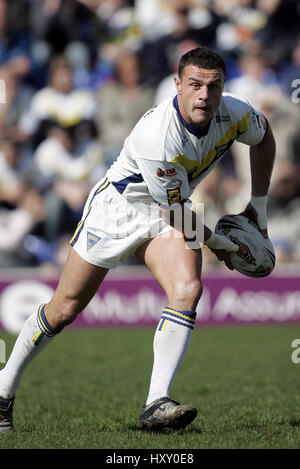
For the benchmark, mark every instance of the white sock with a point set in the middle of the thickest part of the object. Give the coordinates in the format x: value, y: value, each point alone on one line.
x: 36, y: 333
x: 170, y: 343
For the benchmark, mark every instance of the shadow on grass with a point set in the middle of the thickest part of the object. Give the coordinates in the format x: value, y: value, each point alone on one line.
x: 294, y: 422
x: 166, y: 431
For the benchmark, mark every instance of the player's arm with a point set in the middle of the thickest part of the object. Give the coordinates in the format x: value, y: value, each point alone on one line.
x: 262, y: 157
x: 260, y: 139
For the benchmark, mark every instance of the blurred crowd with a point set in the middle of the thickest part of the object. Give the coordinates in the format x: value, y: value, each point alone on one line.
x: 79, y: 74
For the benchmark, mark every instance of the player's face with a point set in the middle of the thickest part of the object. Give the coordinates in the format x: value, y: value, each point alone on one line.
x: 199, y: 94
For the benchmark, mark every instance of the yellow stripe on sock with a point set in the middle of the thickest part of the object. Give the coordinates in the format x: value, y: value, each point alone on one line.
x: 41, y: 319
x: 173, y: 311
x: 36, y: 337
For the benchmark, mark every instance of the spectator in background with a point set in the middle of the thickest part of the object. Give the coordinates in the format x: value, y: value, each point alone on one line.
x: 158, y: 54
x: 281, y: 29
x: 270, y: 99
x: 258, y: 83
x: 68, y: 164
x: 21, y: 206
x: 154, y: 17
x: 284, y: 117
x: 166, y: 88
x: 284, y: 211
x: 290, y: 69
x: 104, y: 69
x: 17, y: 100
x: 121, y: 103
x: 15, y: 64
x: 88, y: 34
x: 61, y: 22
x: 256, y: 77
x: 10, y: 174
x: 237, y: 30
x: 116, y: 17
x: 14, y: 45
x: 58, y: 102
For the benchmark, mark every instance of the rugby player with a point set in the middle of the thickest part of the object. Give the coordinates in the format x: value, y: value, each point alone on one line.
x: 171, y: 149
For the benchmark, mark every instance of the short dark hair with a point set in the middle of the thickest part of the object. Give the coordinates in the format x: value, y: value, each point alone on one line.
x: 202, y: 57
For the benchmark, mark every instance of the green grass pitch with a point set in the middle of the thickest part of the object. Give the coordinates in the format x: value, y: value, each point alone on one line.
x: 86, y: 390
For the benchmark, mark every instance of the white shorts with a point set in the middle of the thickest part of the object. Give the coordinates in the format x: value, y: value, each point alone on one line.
x: 111, y: 228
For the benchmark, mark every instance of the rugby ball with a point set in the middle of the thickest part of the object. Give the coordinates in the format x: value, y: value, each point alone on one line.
x: 259, y: 260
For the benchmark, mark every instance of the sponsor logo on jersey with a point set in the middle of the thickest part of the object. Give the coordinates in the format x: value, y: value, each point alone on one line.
x: 171, y: 172
x: 160, y: 173
x: 223, y: 118
x: 174, y: 195
x: 168, y: 172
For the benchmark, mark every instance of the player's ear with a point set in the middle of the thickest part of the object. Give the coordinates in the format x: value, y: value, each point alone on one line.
x: 177, y: 84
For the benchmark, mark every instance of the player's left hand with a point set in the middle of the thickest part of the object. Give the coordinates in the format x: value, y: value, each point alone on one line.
x: 251, y: 213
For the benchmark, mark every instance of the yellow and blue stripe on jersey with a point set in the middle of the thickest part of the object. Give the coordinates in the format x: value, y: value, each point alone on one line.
x: 123, y: 183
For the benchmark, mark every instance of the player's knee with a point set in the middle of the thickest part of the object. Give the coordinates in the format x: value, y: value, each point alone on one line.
x: 188, y: 292
x: 193, y: 290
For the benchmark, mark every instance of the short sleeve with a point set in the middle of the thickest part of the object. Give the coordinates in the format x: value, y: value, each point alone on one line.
x: 256, y: 130
x: 167, y: 182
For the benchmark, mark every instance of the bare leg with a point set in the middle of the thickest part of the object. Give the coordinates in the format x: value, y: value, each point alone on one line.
x: 78, y: 284
x: 178, y: 270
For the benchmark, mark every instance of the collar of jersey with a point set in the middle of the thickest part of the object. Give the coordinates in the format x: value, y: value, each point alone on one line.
x: 193, y: 130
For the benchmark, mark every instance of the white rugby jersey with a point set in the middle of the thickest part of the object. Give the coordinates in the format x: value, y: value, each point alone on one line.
x: 164, y: 158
